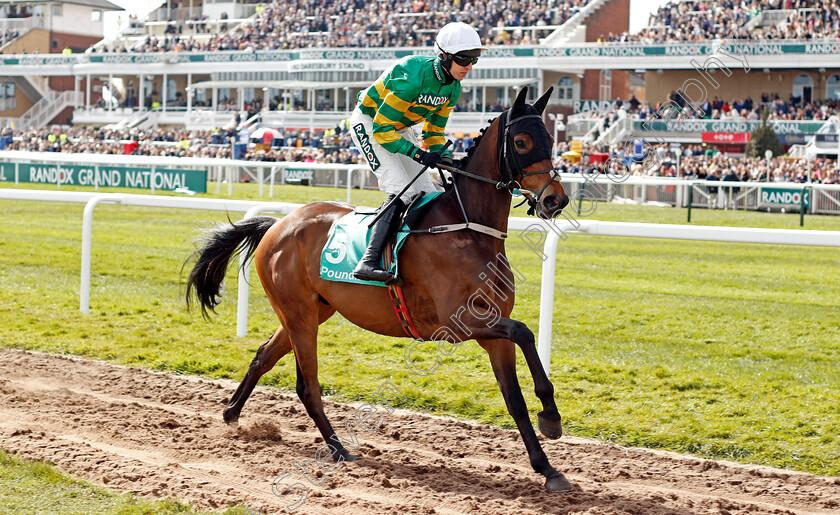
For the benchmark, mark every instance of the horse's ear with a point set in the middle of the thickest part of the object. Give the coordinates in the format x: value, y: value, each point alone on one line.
x: 519, y: 103
x: 539, y: 105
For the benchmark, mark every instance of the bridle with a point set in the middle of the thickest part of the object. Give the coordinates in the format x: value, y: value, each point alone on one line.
x: 507, y: 161
x: 509, y: 180
x: 509, y: 168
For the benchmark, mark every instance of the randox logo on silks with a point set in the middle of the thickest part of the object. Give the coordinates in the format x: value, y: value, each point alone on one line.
x: 367, y: 148
x: 434, y: 100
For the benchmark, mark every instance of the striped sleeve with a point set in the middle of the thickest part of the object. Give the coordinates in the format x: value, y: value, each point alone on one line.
x: 434, y: 127
x: 397, y: 92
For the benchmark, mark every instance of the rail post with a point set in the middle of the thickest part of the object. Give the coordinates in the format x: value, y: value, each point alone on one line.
x: 802, y: 207
x: 690, y: 199
x: 87, y: 243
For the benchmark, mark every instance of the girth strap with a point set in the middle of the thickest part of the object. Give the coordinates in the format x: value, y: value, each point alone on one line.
x: 397, y: 299
x: 472, y: 226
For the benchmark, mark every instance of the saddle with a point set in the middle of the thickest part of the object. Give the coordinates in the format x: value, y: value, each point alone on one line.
x: 350, y: 235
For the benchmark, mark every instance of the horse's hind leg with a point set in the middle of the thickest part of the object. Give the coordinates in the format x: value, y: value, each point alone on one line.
x: 304, y: 334
x: 267, y: 356
x: 503, y: 359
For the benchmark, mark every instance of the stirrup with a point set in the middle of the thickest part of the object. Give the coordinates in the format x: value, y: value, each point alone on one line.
x: 377, y: 274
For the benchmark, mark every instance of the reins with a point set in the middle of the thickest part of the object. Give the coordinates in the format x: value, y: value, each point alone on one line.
x: 508, y: 182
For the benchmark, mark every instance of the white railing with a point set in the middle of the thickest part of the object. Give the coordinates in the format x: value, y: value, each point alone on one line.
x: 548, y: 231
x: 553, y: 232
x: 45, y: 109
x: 199, y: 119
x: 594, y: 133
x: 41, y: 83
x: 561, y: 35
x: 127, y: 122
x: 533, y: 29
x: 831, y: 126
x: 680, y: 193
x: 163, y: 13
x: 775, y: 16
x: 218, y: 169
x: 617, y: 130
x: 91, y: 200
x: 22, y: 25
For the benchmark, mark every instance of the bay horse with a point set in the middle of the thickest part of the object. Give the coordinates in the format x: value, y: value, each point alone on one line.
x: 440, y: 272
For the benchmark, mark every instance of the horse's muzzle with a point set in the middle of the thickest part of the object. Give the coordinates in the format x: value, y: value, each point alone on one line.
x: 553, y: 204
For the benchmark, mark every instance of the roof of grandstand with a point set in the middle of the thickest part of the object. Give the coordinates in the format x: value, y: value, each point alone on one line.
x: 99, y: 4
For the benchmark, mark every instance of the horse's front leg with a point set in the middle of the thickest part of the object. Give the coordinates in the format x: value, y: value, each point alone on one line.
x: 503, y: 359
x: 549, y: 419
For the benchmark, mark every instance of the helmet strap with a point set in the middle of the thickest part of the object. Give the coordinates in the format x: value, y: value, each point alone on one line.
x: 446, y: 64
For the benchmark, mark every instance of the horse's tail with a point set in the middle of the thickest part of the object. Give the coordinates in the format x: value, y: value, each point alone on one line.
x: 216, y: 248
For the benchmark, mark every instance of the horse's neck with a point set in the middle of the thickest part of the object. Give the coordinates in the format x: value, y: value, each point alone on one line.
x: 483, y: 202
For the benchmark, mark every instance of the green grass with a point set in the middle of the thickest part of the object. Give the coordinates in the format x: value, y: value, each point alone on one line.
x: 37, y: 487
x: 721, y: 350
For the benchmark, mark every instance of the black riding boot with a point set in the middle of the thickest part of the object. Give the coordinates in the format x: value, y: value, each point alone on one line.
x: 369, y: 267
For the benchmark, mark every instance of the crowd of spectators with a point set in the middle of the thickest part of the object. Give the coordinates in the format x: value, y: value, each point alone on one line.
x: 297, y: 24
x: 291, y: 146
x: 410, y: 23
x: 335, y: 146
x: 702, y: 20
x: 740, y: 109
x: 699, y: 164
x: 384, y: 24
x: 701, y: 161
x: 8, y: 35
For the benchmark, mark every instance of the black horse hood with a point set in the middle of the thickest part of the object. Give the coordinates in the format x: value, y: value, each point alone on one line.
x: 525, y: 118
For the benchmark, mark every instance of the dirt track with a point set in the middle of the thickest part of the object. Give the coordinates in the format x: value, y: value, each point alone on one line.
x: 162, y: 435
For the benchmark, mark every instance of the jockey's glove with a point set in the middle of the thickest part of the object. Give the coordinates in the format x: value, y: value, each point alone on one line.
x: 430, y: 159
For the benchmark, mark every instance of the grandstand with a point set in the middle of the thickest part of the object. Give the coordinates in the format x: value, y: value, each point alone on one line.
x: 698, y: 74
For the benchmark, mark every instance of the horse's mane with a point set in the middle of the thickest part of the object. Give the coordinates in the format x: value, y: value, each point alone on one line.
x: 476, y: 141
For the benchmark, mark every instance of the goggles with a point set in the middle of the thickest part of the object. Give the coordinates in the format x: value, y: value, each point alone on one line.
x: 464, y: 60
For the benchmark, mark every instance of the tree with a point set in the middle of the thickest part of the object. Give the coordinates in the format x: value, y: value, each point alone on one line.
x: 764, y: 138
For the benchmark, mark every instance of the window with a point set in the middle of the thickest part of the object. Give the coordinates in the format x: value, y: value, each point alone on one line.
x: 803, y: 87
x: 56, y: 9
x: 96, y: 15
x: 171, y: 90
x: 7, y: 96
x: 605, y: 85
x: 564, y: 88
x: 832, y: 88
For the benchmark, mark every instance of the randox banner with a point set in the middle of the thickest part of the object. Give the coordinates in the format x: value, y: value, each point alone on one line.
x: 784, y: 197
x: 761, y: 47
x: 108, y: 176
x: 297, y: 176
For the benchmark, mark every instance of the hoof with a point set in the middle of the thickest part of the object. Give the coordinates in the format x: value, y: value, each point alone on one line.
x: 550, y: 428
x: 231, y: 417
x: 558, y: 483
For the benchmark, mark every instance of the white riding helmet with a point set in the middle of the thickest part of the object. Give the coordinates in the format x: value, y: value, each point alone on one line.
x: 457, y: 37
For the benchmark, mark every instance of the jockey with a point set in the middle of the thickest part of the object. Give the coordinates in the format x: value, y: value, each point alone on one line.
x: 416, y: 89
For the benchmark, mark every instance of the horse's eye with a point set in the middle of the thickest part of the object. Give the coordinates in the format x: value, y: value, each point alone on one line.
x: 520, y: 144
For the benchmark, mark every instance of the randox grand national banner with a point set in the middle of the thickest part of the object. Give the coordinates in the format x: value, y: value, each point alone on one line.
x: 106, y: 176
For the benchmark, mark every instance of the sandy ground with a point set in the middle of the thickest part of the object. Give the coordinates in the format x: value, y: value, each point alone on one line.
x: 162, y: 435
